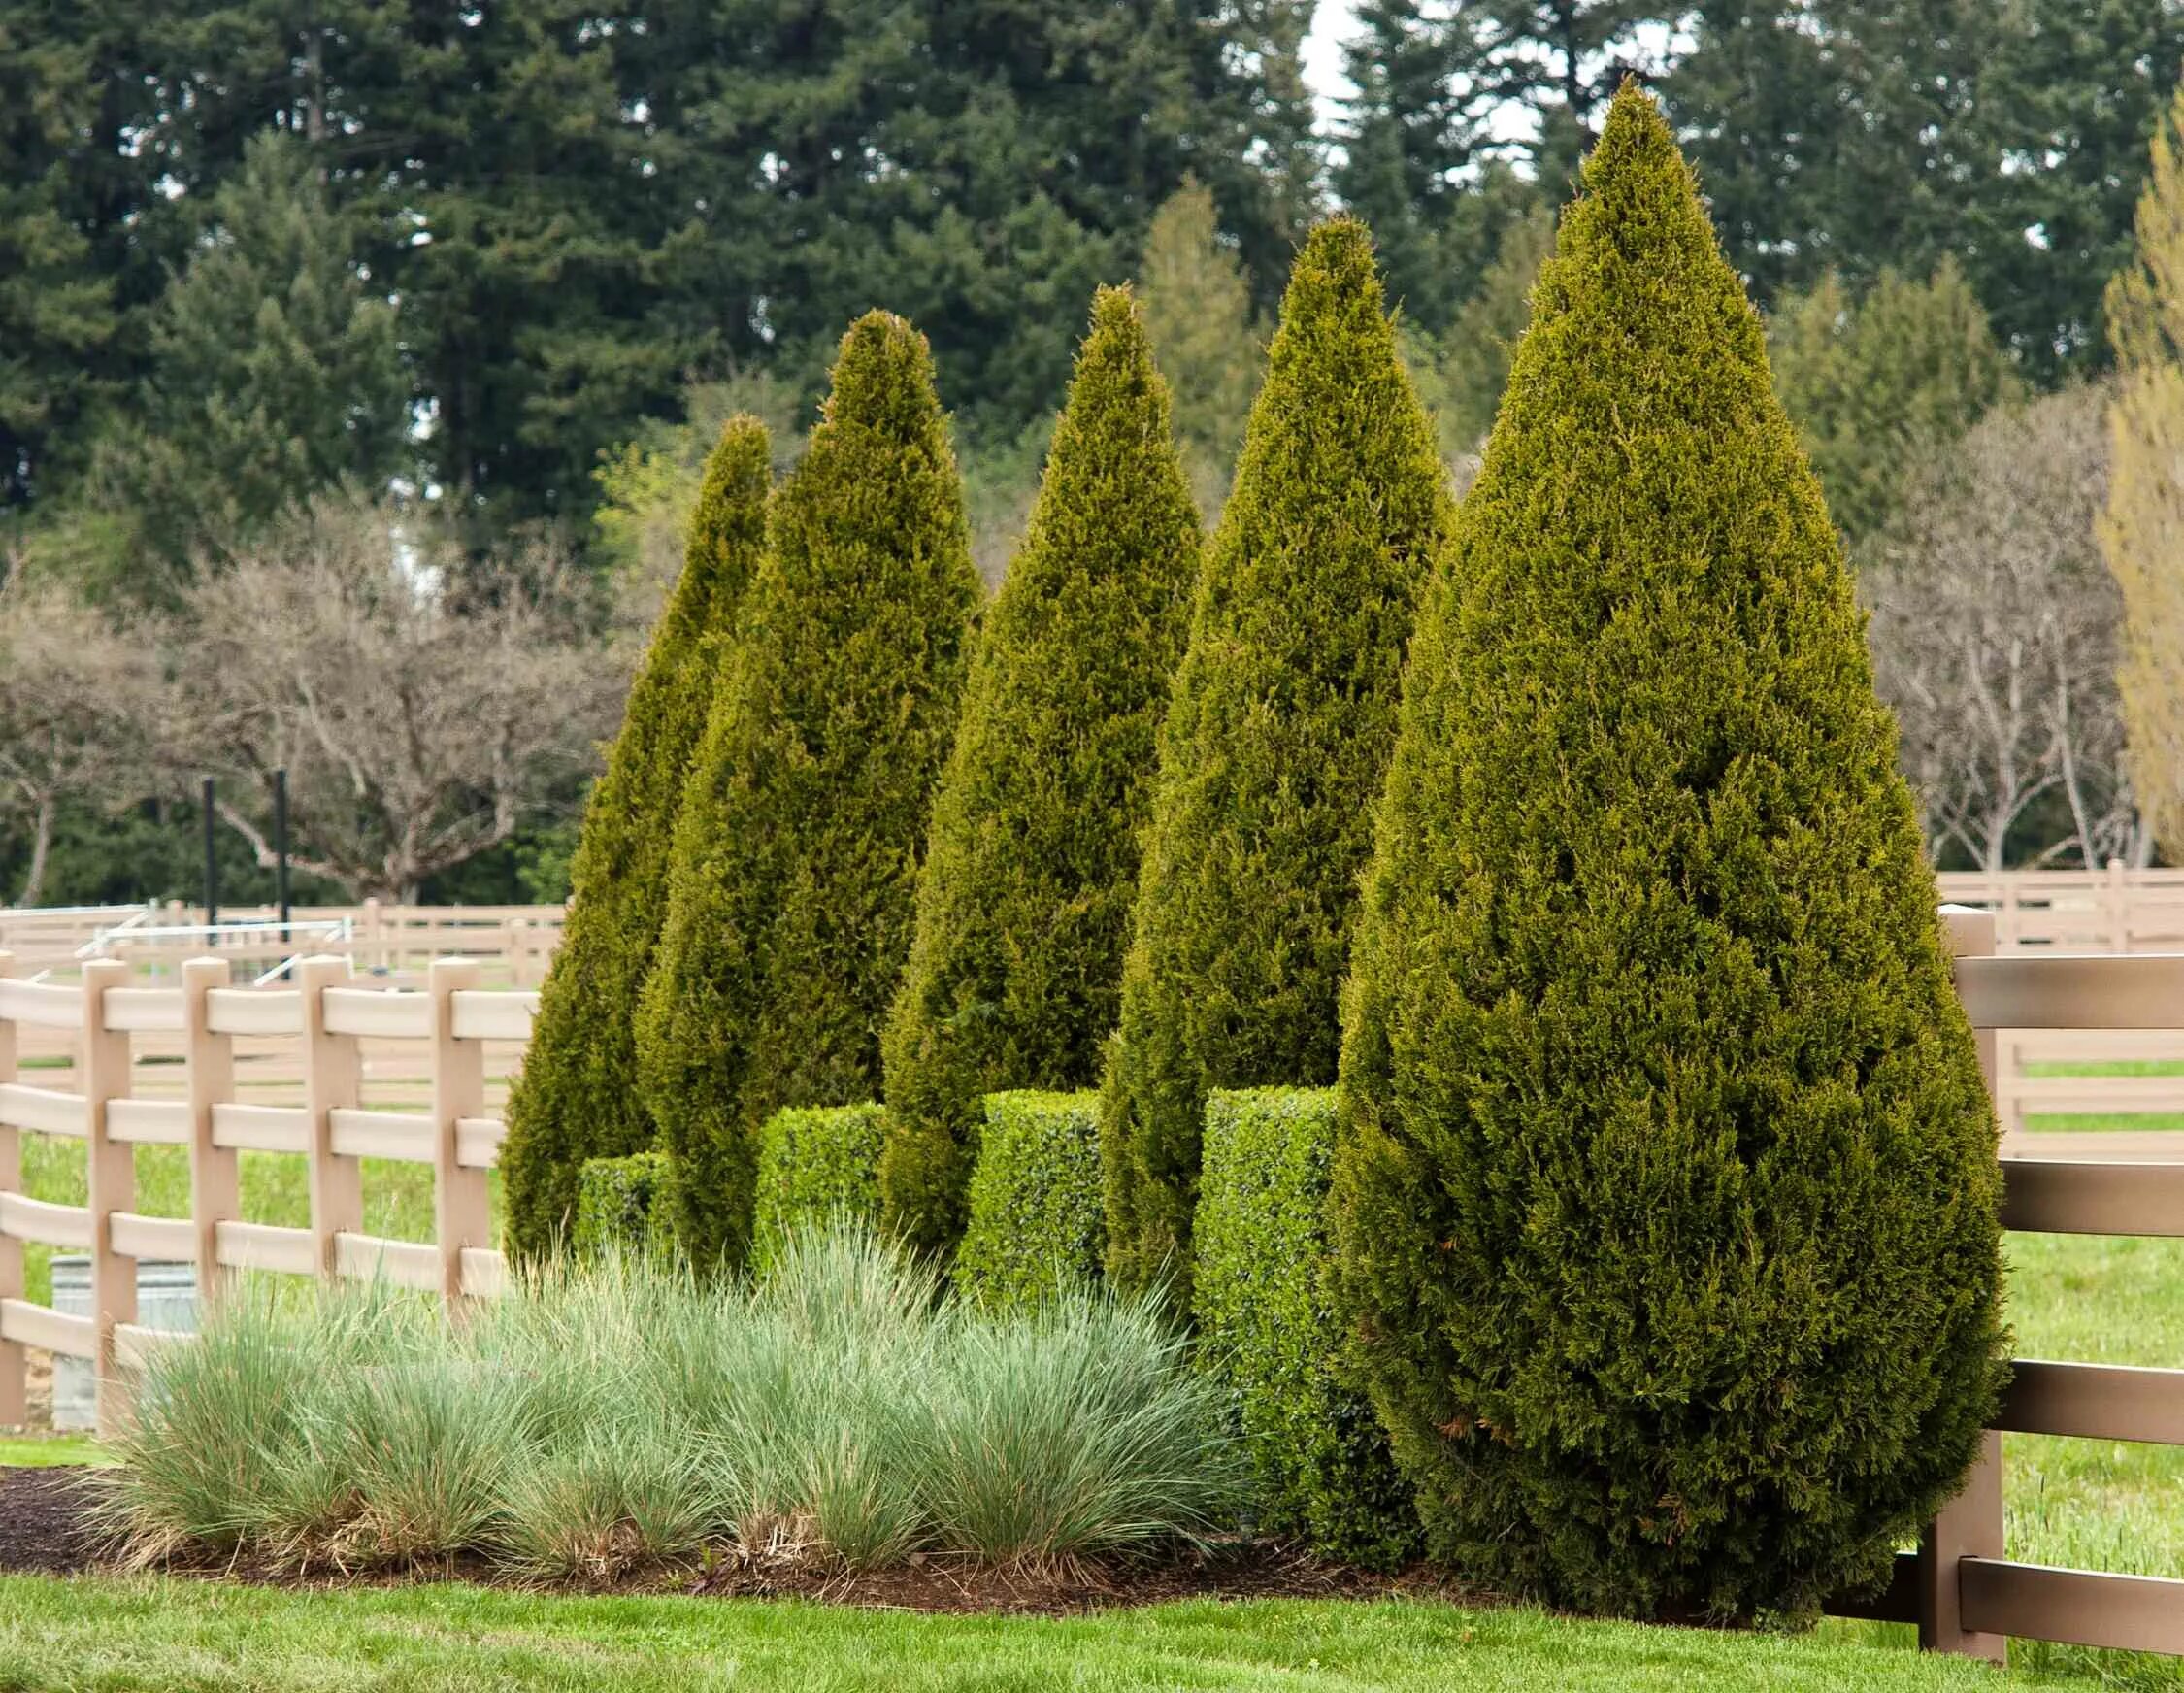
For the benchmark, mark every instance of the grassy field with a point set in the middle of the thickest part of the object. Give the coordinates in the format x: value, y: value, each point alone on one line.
x: 111, y: 1635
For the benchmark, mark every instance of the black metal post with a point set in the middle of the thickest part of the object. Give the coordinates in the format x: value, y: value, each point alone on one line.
x: 212, y: 865
x: 281, y: 849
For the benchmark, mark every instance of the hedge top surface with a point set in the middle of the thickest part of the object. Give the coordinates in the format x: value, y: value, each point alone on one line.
x: 1668, y: 1177
x: 1023, y: 905
x: 576, y: 1097
x: 795, y: 859
x: 1273, y: 745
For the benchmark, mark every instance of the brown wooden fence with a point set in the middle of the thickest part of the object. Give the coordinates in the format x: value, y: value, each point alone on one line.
x: 1958, y: 1587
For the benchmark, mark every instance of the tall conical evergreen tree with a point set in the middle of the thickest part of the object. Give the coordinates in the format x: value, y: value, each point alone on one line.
x: 1024, y: 903
x: 795, y: 859
x: 1272, y: 748
x: 576, y: 1097
x: 1667, y: 1188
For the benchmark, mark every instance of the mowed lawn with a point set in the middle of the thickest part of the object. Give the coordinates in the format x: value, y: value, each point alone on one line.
x: 151, y: 1634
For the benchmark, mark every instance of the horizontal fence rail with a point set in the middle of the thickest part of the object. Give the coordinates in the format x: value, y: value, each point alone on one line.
x: 1959, y: 1588
x: 322, y: 1021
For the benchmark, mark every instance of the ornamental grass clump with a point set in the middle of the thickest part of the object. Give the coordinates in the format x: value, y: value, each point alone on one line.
x: 622, y: 1414
x: 1023, y: 905
x: 794, y: 868
x: 1666, y: 1189
x: 1270, y: 754
x: 576, y: 1097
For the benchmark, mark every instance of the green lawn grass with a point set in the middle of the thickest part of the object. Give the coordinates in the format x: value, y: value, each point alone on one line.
x: 397, y: 1196
x: 47, y: 1452
x: 149, y: 1634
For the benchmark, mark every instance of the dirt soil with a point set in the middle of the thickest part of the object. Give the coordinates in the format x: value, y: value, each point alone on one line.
x: 44, y: 1518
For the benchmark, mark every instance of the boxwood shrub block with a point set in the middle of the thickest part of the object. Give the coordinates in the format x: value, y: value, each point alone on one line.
x: 816, y: 1163
x: 1271, y: 755
x: 793, y: 876
x: 1666, y: 1192
x: 576, y: 1097
x: 1270, y: 1330
x: 621, y: 1207
x: 1023, y: 906
x: 1035, y: 1200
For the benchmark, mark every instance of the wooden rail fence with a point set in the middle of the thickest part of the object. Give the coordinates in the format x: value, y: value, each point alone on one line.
x: 1961, y: 1592
x: 326, y: 1018
x: 1964, y: 1594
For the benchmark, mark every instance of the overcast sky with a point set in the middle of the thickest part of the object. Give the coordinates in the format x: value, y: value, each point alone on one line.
x: 1332, y: 21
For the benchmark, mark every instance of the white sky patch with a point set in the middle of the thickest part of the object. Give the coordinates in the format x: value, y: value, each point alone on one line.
x: 1334, y: 21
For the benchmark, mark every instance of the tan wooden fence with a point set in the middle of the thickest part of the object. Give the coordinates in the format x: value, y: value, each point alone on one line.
x: 394, y: 941
x: 1959, y: 1588
x: 1964, y: 1594
x: 326, y: 1019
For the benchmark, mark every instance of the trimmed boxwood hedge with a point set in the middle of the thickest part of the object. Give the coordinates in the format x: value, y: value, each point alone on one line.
x: 1035, y: 1200
x: 816, y: 1163
x: 1270, y: 1331
x: 621, y: 1207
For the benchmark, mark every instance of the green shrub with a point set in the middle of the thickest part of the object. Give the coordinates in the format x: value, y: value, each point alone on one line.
x: 1272, y: 751
x: 576, y: 1097
x: 1036, y: 1228
x: 616, y: 1412
x: 1024, y: 903
x: 795, y: 859
x: 621, y: 1205
x: 1665, y: 1195
x: 815, y: 1163
x: 1270, y: 1330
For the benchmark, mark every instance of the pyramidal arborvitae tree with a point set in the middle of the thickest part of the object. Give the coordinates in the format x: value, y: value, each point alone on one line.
x: 1665, y: 1184
x: 1276, y: 735
x: 576, y: 1097
x: 794, y: 866
x: 1024, y: 902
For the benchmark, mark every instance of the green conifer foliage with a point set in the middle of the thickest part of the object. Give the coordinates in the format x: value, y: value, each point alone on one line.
x: 1665, y: 1193
x: 1024, y: 903
x: 1271, y: 752
x: 795, y: 859
x: 576, y: 1098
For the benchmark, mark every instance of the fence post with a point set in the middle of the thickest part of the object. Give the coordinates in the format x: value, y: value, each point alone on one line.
x: 215, y: 1196
x: 333, y: 1079
x: 461, y: 1212
x: 374, y: 957
x: 1969, y: 1525
x: 2118, y: 906
x: 112, y: 1167
x: 14, y: 1372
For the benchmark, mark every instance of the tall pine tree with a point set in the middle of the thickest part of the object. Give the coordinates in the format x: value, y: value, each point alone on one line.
x: 576, y: 1097
x: 1024, y: 902
x: 1666, y: 1188
x: 794, y: 866
x: 1273, y: 746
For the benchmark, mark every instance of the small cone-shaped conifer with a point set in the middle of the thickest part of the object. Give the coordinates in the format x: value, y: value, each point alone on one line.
x: 1272, y: 748
x: 1023, y: 905
x: 795, y: 858
x: 1666, y: 1188
x: 576, y: 1098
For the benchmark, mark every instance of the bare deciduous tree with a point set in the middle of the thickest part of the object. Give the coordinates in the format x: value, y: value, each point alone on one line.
x: 1995, y: 634
x: 75, y: 691
x: 416, y: 731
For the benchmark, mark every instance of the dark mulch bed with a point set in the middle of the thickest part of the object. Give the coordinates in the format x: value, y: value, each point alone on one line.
x: 42, y: 1531
x: 42, y: 1522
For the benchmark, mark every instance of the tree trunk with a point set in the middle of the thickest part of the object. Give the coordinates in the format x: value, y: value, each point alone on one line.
x: 40, y: 847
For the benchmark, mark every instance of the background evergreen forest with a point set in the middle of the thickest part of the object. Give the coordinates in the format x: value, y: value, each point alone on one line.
x: 506, y: 267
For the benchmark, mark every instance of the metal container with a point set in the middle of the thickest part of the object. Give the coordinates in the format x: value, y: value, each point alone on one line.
x: 166, y: 1299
